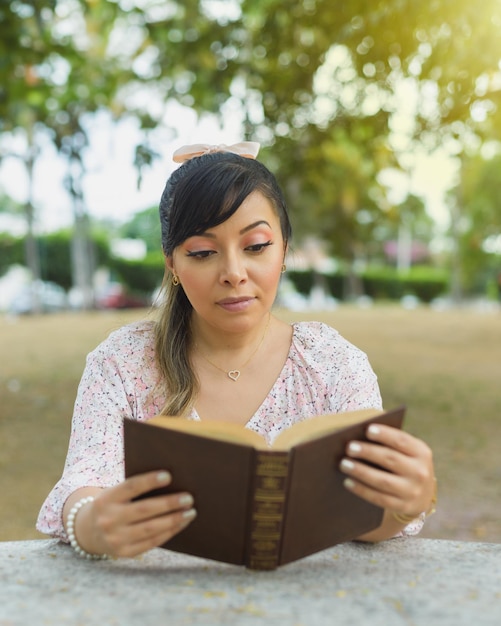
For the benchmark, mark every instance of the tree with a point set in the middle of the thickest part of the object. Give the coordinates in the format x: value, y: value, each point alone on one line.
x: 407, y: 232
x: 144, y: 225
x: 302, y: 74
x: 51, y: 82
x: 22, y: 48
x: 475, y: 206
x: 336, y: 193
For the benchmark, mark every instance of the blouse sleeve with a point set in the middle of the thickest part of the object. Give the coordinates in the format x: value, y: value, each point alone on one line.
x: 95, y: 453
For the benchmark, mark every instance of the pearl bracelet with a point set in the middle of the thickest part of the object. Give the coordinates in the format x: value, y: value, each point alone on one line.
x: 70, y: 530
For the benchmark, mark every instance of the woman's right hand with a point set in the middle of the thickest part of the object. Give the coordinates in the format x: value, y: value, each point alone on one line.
x: 118, y: 525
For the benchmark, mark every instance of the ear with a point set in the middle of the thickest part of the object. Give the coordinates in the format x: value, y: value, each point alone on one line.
x: 169, y: 263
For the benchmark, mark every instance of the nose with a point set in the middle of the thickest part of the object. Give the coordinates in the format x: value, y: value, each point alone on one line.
x: 233, y: 271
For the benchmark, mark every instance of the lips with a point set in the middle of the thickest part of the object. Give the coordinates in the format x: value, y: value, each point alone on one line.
x: 236, y: 304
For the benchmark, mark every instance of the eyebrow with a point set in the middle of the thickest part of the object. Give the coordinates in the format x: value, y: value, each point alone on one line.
x: 241, y: 232
x: 254, y: 225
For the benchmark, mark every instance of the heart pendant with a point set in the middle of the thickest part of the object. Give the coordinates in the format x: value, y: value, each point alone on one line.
x: 234, y: 374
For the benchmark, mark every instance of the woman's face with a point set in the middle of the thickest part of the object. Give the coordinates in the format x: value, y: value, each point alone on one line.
x: 230, y: 273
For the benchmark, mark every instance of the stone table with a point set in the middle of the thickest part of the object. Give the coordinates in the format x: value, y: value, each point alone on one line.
x: 402, y: 582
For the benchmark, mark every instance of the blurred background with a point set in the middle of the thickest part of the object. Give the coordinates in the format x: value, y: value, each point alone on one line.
x: 381, y: 120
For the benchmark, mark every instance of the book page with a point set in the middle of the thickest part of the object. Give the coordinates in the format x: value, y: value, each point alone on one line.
x: 322, y: 425
x: 212, y: 429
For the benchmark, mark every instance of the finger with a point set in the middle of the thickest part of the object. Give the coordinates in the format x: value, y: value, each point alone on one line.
x: 152, y: 534
x: 395, y: 451
x: 378, y: 480
x: 404, y: 483
x: 148, y: 508
x: 397, y: 439
x: 136, y: 486
x: 380, y: 498
x: 382, y: 456
x: 116, y: 522
x: 164, y: 526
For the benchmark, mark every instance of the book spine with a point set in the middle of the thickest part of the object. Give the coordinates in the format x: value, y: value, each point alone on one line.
x: 267, y: 510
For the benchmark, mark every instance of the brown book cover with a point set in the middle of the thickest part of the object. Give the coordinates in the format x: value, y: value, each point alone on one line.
x: 258, y: 506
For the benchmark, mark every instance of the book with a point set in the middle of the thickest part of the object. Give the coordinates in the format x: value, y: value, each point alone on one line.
x: 258, y: 506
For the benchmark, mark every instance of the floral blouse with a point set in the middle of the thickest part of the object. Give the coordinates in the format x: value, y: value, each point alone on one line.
x: 323, y: 373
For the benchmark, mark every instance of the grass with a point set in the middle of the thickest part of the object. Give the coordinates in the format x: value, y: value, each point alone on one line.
x: 445, y: 366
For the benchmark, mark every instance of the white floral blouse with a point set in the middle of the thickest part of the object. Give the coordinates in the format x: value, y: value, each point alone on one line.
x: 323, y: 373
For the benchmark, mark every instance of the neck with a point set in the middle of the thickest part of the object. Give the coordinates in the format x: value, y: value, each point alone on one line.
x: 230, y: 361
x: 214, y: 341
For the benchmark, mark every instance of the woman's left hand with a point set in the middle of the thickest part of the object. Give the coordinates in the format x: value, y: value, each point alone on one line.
x: 404, y: 482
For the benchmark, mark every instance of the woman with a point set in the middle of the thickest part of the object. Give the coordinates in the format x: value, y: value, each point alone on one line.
x: 217, y: 352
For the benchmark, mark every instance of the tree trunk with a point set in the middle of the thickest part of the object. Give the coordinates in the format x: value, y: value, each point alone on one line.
x: 455, y: 284
x: 32, y: 254
x: 82, y: 251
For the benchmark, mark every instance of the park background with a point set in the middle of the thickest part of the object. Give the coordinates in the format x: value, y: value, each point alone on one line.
x: 382, y: 122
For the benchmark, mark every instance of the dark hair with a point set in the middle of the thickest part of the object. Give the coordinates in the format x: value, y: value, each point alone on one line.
x: 201, y: 194
x: 207, y: 190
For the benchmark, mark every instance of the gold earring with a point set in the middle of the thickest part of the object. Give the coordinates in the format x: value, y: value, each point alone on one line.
x: 175, y: 280
x: 284, y: 267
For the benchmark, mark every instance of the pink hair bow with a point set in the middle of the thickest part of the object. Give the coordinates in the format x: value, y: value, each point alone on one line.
x: 248, y: 149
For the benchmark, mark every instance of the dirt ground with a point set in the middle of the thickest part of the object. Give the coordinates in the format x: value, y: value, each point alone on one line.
x: 445, y: 366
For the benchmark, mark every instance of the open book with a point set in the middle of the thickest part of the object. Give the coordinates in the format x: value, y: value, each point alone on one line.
x: 258, y: 506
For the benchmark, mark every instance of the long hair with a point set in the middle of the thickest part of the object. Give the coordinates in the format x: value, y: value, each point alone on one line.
x: 201, y: 194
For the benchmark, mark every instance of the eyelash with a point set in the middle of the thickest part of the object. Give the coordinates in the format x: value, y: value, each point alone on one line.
x: 200, y: 254
x: 257, y: 248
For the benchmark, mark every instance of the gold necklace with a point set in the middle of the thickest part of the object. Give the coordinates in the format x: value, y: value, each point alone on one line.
x: 234, y: 375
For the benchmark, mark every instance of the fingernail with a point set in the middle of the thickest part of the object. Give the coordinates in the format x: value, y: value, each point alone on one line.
x: 349, y: 483
x: 185, y: 500
x: 163, y: 477
x: 354, y: 447
x: 189, y: 514
x: 348, y: 465
x: 374, y: 430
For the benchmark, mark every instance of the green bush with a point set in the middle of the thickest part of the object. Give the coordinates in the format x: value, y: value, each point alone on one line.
x: 426, y: 283
x: 11, y: 252
x: 55, y: 256
x: 385, y: 283
x: 141, y: 277
x: 303, y: 281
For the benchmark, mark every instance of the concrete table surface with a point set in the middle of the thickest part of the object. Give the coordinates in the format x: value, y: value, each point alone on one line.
x: 402, y: 582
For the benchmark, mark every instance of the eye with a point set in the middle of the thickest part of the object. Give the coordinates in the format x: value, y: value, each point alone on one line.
x: 259, y: 247
x: 200, y: 254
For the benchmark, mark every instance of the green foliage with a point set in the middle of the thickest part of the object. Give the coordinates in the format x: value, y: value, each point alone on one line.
x: 141, y: 277
x: 380, y: 283
x: 279, y: 59
x: 24, y: 45
x: 477, y: 205
x: 55, y: 254
x: 144, y: 225
x: 56, y: 257
x: 9, y: 205
x: 336, y: 193
x: 302, y: 281
x: 11, y: 252
x: 426, y: 283
x: 316, y: 82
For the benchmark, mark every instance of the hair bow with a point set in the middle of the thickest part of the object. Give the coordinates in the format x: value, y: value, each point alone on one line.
x: 248, y: 149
